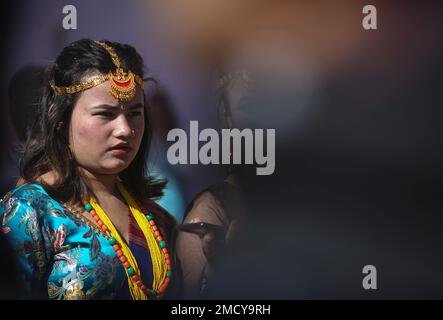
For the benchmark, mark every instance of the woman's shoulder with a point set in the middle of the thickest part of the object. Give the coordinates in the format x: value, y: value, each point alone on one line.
x: 26, y: 188
x: 206, y: 207
x: 26, y: 191
x: 31, y: 195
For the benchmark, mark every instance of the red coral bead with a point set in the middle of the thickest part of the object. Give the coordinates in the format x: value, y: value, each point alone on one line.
x: 154, y: 228
x: 123, y: 259
x: 126, y: 264
x: 116, y: 247
x: 119, y: 253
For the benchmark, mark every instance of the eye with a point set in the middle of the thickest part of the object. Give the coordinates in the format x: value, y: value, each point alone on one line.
x: 135, y: 113
x: 105, y: 114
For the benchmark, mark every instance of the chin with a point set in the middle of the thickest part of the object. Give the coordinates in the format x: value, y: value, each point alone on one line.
x: 116, y: 167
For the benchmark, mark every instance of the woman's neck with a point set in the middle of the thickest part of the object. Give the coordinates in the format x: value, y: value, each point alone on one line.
x: 101, y: 184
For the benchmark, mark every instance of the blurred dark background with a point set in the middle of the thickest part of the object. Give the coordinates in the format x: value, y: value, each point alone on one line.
x: 358, y: 174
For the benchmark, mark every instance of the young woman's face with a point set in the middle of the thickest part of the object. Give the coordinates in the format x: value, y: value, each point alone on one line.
x: 105, y: 134
x: 239, y: 103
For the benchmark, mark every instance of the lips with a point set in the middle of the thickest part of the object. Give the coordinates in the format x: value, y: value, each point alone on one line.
x: 121, y: 149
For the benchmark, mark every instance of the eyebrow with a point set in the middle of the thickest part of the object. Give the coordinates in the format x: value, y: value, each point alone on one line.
x: 109, y: 106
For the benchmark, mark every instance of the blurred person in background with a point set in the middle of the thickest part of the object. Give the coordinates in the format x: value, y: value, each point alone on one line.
x: 201, y: 248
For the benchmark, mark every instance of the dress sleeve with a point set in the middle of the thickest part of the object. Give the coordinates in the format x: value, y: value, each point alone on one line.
x: 23, y: 229
x: 194, y: 264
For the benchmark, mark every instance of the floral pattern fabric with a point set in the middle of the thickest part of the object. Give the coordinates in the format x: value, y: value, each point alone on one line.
x: 59, y: 256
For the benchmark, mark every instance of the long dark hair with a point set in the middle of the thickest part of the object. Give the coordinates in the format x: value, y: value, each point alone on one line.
x: 47, y: 148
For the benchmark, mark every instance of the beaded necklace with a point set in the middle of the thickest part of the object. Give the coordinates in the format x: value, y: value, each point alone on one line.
x: 162, y: 268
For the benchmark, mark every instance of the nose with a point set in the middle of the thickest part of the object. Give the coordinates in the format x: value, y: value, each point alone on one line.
x: 122, y: 127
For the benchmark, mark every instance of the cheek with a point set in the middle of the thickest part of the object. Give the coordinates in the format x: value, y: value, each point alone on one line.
x: 81, y: 132
x: 139, y: 127
x: 86, y: 132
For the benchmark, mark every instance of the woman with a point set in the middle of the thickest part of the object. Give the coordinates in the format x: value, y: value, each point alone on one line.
x: 85, y: 225
x: 202, y: 248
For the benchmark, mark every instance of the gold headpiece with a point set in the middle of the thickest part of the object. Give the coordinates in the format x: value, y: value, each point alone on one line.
x: 123, y: 85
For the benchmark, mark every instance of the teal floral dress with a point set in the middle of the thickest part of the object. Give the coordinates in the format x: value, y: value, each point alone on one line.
x: 59, y: 256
